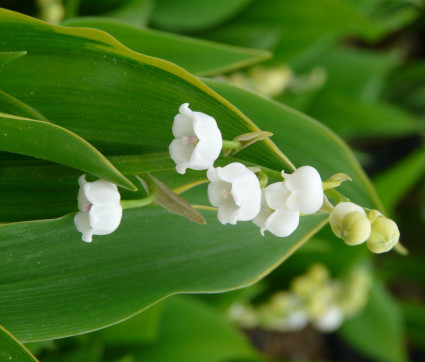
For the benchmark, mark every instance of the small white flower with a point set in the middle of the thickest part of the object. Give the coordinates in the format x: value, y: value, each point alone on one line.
x: 236, y: 192
x: 330, y: 321
x: 306, y: 192
x: 274, y: 215
x: 100, y: 208
x: 197, y: 142
x: 283, y: 202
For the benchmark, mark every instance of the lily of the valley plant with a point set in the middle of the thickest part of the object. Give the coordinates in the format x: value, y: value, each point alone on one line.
x: 241, y: 193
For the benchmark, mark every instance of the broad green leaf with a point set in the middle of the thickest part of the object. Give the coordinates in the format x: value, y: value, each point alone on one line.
x: 140, y: 329
x: 196, y: 56
x: 414, y: 313
x: 191, y: 330
x: 47, y: 141
x: 368, y: 71
x: 136, y: 12
x: 388, y: 15
x: 350, y: 117
x: 11, y: 105
x: 378, y: 330
x: 189, y: 15
x: 72, y: 287
x: 406, y: 87
x: 12, y: 350
x: 6, y: 57
x: 120, y: 101
x: 293, y: 26
x: 398, y: 268
x: 393, y: 184
x: 291, y: 132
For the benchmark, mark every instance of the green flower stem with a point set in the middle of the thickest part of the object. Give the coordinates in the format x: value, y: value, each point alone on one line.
x: 336, y: 196
x: 231, y: 145
x: 132, y: 204
x: 400, y: 248
x: 263, y: 178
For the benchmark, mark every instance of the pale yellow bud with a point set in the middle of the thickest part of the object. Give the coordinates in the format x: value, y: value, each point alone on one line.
x: 302, y: 286
x: 373, y: 215
x: 355, y: 228
x: 384, y: 235
x: 318, y: 273
x: 338, y: 214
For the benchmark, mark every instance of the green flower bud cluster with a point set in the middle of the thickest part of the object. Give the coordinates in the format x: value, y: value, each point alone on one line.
x: 351, y: 223
x: 313, y: 297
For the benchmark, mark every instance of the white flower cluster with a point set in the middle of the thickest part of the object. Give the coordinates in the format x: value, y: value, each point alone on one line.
x: 234, y: 189
x: 351, y: 223
x: 282, y: 202
x: 313, y: 298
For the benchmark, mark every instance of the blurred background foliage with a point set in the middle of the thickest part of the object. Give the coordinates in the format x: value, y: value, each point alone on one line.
x: 358, y: 67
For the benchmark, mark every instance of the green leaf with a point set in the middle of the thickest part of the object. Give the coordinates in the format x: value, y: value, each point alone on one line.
x: 291, y: 27
x: 12, y: 350
x: 187, y: 15
x: 393, y: 184
x: 48, y: 141
x: 7, y: 57
x: 368, y: 71
x: 140, y: 329
x: 72, y: 287
x: 135, y: 12
x: 414, y: 314
x: 11, y: 105
x: 199, y: 57
x: 378, y: 330
x: 350, y: 117
x: 120, y: 101
x: 192, y: 330
x: 406, y: 87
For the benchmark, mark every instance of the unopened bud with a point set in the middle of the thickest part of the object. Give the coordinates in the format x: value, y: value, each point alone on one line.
x: 318, y: 273
x: 338, y: 214
x: 384, y: 235
x: 373, y: 215
x: 302, y: 286
x: 355, y: 228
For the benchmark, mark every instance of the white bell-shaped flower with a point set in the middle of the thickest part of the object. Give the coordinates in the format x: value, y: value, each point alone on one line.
x: 236, y: 191
x: 330, y: 321
x: 306, y: 192
x: 197, y: 142
x: 274, y: 215
x: 100, y: 208
x: 282, y: 202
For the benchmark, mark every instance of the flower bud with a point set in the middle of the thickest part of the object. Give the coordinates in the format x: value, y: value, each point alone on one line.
x: 338, y: 214
x: 355, y: 228
x: 318, y: 274
x: 384, y: 235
